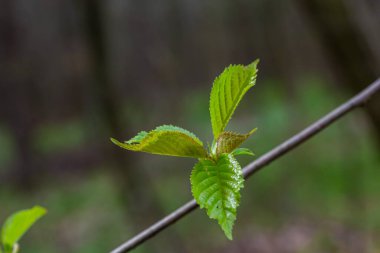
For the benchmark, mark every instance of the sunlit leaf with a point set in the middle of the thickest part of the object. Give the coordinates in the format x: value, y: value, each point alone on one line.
x: 17, y: 224
x: 216, y: 187
x: 166, y: 140
x: 228, y: 141
x: 217, y: 178
x: 227, y: 91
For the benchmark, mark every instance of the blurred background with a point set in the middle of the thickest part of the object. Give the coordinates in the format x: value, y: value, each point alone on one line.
x: 74, y: 73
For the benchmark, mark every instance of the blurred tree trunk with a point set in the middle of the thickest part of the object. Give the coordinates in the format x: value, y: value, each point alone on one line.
x: 104, y: 100
x: 356, y: 66
x: 137, y: 196
x: 347, y: 49
x: 18, y: 95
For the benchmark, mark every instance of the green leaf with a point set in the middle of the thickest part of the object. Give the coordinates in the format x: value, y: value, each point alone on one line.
x: 166, y: 140
x: 216, y: 186
x: 242, y: 151
x: 227, y: 91
x: 17, y: 224
x: 228, y: 141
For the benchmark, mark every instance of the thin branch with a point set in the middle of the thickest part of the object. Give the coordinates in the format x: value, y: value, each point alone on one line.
x: 355, y: 102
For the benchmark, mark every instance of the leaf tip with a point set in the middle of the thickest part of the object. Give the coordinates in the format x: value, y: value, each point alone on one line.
x: 41, y: 210
x: 227, y: 228
x: 114, y: 141
x: 252, y: 131
x: 255, y: 63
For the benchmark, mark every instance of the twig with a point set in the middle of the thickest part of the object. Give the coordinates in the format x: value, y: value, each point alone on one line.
x: 357, y: 101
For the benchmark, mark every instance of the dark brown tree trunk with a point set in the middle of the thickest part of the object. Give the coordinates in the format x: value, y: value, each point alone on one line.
x: 136, y: 194
x: 347, y: 50
x: 18, y: 94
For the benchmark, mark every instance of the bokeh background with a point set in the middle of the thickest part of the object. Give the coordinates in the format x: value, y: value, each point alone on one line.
x: 74, y: 73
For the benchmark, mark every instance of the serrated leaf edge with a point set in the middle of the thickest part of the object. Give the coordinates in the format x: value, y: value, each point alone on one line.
x: 252, y: 80
x: 154, y: 135
x: 233, y: 160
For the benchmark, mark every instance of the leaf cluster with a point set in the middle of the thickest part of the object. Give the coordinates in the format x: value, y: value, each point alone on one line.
x: 217, y: 178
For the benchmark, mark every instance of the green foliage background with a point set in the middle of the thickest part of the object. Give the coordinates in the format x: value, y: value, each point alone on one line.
x: 327, y: 186
x: 74, y: 73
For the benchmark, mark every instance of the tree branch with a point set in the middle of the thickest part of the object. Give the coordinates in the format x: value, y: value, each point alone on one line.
x: 355, y: 102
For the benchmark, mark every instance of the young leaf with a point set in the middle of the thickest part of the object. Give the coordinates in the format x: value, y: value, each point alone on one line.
x: 17, y: 224
x: 228, y: 141
x: 216, y: 186
x: 227, y: 91
x: 166, y: 140
x: 242, y: 151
